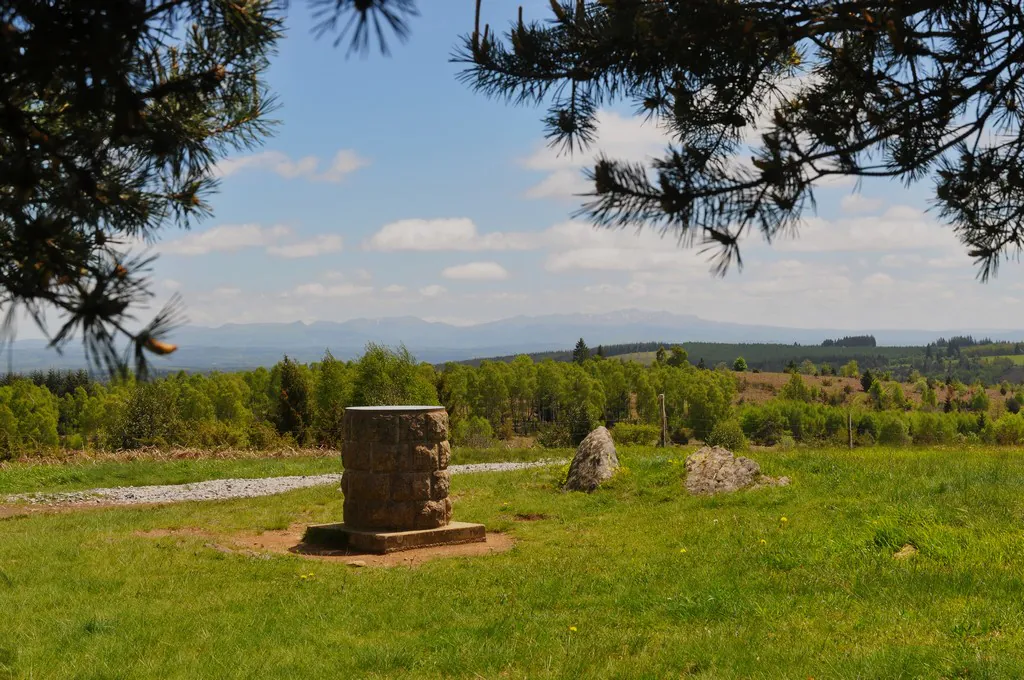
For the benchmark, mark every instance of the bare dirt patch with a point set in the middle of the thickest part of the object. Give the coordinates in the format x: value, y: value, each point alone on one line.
x: 289, y: 541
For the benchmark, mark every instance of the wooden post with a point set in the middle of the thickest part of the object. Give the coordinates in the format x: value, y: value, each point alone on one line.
x: 849, y: 426
x: 664, y: 421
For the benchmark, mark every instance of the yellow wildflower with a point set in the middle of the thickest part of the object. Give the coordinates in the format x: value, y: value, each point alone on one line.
x: 572, y: 629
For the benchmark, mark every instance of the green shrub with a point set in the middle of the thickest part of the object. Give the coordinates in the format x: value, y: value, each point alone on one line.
x: 1009, y: 430
x: 893, y: 432
x: 727, y: 434
x: 932, y: 428
x: 764, y: 425
x: 263, y: 435
x: 554, y: 436
x: 868, y: 425
x: 475, y: 432
x: 627, y: 434
x: 680, y: 435
x: 786, y: 442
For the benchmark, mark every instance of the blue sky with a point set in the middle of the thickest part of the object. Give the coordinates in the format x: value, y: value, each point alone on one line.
x: 392, y: 189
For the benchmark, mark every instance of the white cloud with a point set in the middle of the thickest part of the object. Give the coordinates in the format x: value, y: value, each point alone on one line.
x: 898, y: 228
x: 618, y: 137
x: 319, y: 290
x: 960, y: 261
x: 432, y: 290
x: 476, y: 271
x: 318, y: 245
x: 226, y: 238
x: 445, y: 234
x: 344, y: 163
x: 226, y: 292
x: 878, y: 279
x: 579, y: 246
x: 900, y: 261
x: 394, y: 289
x: 171, y: 284
x: 858, y: 203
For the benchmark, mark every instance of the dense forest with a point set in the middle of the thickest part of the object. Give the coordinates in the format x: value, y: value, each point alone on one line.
x: 962, y: 358
x: 554, y: 403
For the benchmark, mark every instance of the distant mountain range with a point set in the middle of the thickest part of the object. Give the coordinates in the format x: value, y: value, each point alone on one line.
x: 238, y: 346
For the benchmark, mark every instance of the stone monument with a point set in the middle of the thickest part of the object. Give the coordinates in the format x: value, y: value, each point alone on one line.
x: 395, y: 483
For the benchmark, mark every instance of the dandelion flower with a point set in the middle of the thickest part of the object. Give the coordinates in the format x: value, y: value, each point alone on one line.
x: 682, y: 550
x: 572, y: 629
x: 303, y: 576
x: 764, y: 542
x: 783, y: 520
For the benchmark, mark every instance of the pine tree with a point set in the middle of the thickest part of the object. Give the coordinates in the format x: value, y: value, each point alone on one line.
x: 581, y: 352
x: 115, y: 113
x: 905, y: 89
x: 294, y: 402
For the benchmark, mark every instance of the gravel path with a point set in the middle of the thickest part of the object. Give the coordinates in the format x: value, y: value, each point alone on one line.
x: 218, y: 489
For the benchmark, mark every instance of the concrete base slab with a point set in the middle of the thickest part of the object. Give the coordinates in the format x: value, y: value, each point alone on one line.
x: 341, y: 537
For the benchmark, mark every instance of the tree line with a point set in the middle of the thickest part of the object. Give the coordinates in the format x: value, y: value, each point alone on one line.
x: 557, y: 403
x: 295, y: 404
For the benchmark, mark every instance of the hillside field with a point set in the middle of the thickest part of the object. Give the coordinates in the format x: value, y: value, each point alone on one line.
x: 880, y: 563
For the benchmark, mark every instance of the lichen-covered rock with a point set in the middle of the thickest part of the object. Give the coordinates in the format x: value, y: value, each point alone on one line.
x: 712, y: 470
x: 595, y: 462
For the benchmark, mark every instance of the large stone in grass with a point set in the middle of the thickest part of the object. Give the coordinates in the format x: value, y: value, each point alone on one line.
x: 712, y: 470
x: 595, y: 462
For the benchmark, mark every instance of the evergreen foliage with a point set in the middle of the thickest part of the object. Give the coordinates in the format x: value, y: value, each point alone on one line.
x: 814, y: 89
x: 115, y: 113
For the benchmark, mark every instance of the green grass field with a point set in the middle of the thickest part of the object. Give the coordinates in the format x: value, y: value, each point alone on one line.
x: 637, y: 580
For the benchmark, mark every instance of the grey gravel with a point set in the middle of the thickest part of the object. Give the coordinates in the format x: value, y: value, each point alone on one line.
x: 219, y: 489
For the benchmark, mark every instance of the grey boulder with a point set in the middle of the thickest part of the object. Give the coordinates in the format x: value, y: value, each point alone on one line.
x: 595, y: 462
x: 712, y: 470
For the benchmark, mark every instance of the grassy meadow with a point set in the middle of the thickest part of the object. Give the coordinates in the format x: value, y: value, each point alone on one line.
x: 637, y: 580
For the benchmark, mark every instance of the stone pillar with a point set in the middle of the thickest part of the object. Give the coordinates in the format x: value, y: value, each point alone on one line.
x: 396, y: 468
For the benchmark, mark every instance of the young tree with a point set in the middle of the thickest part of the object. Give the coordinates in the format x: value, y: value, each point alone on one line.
x: 740, y: 365
x: 294, y: 400
x: 678, y: 357
x: 902, y: 89
x: 796, y: 389
x: 850, y: 369
x: 878, y: 395
x: 386, y: 377
x: 867, y: 380
x: 581, y: 352
x: 659, y: 356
